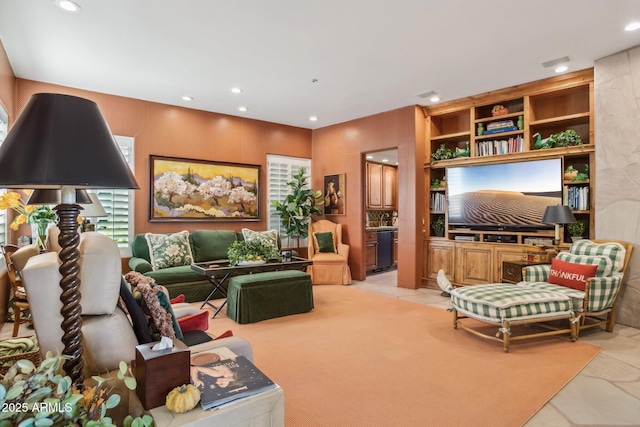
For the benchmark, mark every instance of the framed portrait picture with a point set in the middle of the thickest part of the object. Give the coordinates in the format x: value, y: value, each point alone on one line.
x: 203, y: 190
x: 335, y: 194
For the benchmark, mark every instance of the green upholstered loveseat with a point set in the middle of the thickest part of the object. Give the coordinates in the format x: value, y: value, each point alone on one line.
x: 206, y: 246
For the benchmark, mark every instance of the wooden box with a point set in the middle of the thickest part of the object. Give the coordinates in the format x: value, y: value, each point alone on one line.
x: 535, y: 256
x: 159, y: 372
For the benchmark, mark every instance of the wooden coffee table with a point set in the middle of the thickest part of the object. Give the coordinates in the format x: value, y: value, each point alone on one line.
x: 217, y: 274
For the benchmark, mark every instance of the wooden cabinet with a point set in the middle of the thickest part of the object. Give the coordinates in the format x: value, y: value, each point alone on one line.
x: 371, y: 251
x: 389, y: 187
x: 374, y: 185
x: 382, y: 186
x: 474, y: 263
x: 542, y: 108
x: 440, y: 254
x: 467, y: 263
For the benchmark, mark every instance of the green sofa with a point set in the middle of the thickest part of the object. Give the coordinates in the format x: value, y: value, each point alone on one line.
x: 206, y: 246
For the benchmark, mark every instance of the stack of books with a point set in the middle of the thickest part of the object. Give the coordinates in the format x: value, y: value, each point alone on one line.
x: 228, y: 379
x: 499, y: 127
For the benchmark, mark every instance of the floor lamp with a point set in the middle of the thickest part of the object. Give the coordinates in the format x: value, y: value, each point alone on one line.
x: 63, y: 142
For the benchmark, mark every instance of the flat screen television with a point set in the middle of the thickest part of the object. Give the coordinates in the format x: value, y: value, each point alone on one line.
x: 505, y: 196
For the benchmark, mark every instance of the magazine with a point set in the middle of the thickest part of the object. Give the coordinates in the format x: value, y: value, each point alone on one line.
x: 227, y: 380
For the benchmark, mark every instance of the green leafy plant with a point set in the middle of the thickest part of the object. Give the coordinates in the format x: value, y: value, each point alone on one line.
x: 438, y: 223
x: 442, y: 153
x: 296, y: 209
x: 44, y: 396
x: 435, y: 183
x: 252, y: 250
x: 577, y: 229
x: 565, y: 138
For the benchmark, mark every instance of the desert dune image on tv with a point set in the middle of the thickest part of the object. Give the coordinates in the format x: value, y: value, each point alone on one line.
x: 509, y: 194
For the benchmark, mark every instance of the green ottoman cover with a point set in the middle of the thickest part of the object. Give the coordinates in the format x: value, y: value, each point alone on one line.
x: 255, y: 297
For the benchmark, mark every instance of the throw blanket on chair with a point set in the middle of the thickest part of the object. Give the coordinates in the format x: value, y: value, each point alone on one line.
x: 162, y: 322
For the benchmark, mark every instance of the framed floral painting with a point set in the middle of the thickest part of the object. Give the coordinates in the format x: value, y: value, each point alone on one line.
x: 335, y: 194
x: 203, y: 190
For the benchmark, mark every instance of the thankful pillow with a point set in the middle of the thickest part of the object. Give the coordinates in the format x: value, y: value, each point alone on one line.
x: 571, y: 275
x: 324, y: 242
x: 169, y: 250
x: 266, y: 238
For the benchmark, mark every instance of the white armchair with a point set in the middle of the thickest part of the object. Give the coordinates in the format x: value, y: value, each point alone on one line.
x: 108, y: 335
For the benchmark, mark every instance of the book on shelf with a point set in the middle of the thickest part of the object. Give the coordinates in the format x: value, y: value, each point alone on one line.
x: 503, y: 146
x: 228, y: 380
x: 500, y: 130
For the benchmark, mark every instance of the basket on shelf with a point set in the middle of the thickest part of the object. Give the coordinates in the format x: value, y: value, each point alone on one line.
x: 14, y: 349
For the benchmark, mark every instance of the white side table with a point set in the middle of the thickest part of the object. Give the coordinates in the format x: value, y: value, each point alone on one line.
x: 263, y: 410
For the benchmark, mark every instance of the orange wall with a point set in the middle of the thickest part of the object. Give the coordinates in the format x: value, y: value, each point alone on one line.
x: 180, y: 132
x: 339, y: 149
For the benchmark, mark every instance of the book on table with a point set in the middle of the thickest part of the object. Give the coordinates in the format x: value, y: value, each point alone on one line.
x: 228, y: 380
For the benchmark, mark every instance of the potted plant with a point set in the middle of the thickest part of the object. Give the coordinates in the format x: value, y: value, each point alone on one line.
x: 243, y: 252
x: 296, y: 209
x: 577, y: 230
x: 438, y: 226
x: 43, y: 395
x: 442, y: 153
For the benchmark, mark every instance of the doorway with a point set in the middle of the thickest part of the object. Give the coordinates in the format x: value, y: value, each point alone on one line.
x: 381, y: 210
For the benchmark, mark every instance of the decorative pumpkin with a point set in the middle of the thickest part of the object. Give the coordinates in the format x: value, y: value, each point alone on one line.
x: 183, y: 398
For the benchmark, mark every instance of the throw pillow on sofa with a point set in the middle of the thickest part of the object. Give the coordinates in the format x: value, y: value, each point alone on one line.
x: 267, y: 238
x: 169, y: 250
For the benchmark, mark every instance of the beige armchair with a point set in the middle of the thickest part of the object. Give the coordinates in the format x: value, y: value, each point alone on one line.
x: 108, y: 335
x: 329, y: 255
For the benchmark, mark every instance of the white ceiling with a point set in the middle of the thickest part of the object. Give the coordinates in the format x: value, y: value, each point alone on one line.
x: 367, y: 56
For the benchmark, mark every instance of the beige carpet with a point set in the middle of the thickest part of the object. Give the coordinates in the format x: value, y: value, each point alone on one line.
x: 362, y: 359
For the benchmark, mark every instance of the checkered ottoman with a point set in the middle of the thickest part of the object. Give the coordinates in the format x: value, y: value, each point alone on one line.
x: 506, y: 304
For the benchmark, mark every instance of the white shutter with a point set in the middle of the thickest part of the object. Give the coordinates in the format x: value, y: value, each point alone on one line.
x: 118, y: 204
x: 280, y: 169
x: 4, y: 127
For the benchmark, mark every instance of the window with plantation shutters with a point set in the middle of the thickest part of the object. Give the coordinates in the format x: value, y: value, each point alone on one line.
x: 280, y: 169
x: 118, y: 204
x: 4, y: 128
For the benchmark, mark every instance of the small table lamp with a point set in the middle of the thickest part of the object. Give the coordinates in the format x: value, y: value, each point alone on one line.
x: 62, y: 142
x: 558, y: 214
x: 92, y: 211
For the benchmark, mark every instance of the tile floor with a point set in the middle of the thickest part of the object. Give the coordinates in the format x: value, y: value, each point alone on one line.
x: 605, y: 393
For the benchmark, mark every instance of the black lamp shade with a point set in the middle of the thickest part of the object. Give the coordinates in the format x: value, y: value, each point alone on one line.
x: 53, y: 197
x: 61, y: 140
x: 559, y: 214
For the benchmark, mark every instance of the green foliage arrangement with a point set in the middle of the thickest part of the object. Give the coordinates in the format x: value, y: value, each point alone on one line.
x: 296, y: 209
x: 438, y: 223
x: 442, y: 153
x: 44, y: 396
x: 577, y: 229
x: 252, y: 250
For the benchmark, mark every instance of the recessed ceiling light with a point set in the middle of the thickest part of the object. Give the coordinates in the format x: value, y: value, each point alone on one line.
x: 68, y: 5
x: 385, y: 160
x: 561, y: 69
x: 313, y: 118
x: 236, y: 90
x: 187, y: 98
x: 369, y: 156
x: 434, y: 98
x: 632, y: 26
x: 243, y: 109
